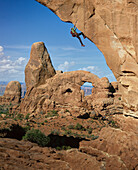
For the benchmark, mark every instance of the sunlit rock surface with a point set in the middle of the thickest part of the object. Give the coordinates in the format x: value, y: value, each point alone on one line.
x: 112, y: 25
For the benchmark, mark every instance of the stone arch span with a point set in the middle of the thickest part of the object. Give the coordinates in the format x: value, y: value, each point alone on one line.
x: 112, y: 26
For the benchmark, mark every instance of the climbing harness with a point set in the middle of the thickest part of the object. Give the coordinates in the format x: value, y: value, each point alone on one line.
x: 73, y: 31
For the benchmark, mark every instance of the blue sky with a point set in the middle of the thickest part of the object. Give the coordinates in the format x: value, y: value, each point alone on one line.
x: 23, y: 22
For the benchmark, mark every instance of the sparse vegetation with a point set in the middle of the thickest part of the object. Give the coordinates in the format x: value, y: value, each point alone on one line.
x: 4, y: 109
x: 20, y: 116
x: 55, y: 132
x: 79, y: 127
x: 94, y: 137
x: 113, y: 123
x: 27, y: 116
x: 63, y: 148
x: 52, y: 113
x: 63, y: 128
x: 71, y: 127
x: 89, y: 130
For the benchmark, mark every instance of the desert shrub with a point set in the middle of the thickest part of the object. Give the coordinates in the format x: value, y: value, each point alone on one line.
x: 27, y: 116
x: 68, y: 132
x: 55, y: 132
x: 20, y: 116
x: 36, y: 136
x: 71, y: 127
x: 63, y: 147
x: 89, y: 130
x: 52, y: 113
x: 94, y: 137
x: 26, y: 128
x: 79, y: 127
x: 63, y: 128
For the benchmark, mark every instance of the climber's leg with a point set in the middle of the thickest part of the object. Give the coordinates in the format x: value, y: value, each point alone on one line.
x: 81, y: 33
x: 80, y: 41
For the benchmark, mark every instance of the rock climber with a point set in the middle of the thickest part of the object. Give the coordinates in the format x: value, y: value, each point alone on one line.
x: 75, y: 34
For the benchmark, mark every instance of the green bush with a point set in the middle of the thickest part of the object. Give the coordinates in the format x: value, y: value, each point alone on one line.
x: 20, y: 116
x: 79, y: 127
x: 36, y: 136
x: 27, y: 116
x: 52, y: 113
x: 71, y: 127
x: 89, y: 130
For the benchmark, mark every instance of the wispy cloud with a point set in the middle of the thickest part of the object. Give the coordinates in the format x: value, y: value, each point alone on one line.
x: 99, y: 72
x: 66, y: 66
x: 1, y: 51
x: 65, y: 48
x: 10, y: 68
x: 17, y: 46
x: 89, y: 68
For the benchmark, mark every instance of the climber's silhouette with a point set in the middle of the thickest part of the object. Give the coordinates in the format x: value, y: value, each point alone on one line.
x: 75, y: 34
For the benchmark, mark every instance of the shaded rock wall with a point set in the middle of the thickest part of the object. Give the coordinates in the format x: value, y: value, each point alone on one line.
x: 112, y: 25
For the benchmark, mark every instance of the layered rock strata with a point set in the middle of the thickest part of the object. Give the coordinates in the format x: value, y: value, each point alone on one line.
x: 113, y: 27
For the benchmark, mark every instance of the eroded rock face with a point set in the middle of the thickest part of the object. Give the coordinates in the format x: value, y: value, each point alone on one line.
x: 64, y: 91
x: 12, y: 93
x: 39, y: 67
x: 113, y: 146
x: 113, y: 27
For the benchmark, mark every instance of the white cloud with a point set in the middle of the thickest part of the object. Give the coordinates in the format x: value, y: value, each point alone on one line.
x: 1, y: 48
x: 90, y: 68
x: 1, y: 51
x: 66, y: 66
x: 11, y: 68
x: 20, y: 60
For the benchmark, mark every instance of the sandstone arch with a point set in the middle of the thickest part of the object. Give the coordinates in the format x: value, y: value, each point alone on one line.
x: 113, y: 27
x: 58, y: 90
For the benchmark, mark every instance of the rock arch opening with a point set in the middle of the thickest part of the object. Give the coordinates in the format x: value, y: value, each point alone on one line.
x: 87, y: 88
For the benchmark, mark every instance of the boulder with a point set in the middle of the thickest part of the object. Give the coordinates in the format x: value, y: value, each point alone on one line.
x: 112, y: 26
x: 12, y: 94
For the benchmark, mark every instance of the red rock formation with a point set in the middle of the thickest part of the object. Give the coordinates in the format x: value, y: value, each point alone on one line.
x: 113, y: 27
x: 39, y: 67
x: 12, y: 93
x: 117, y: 148
x: 62, y: 90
